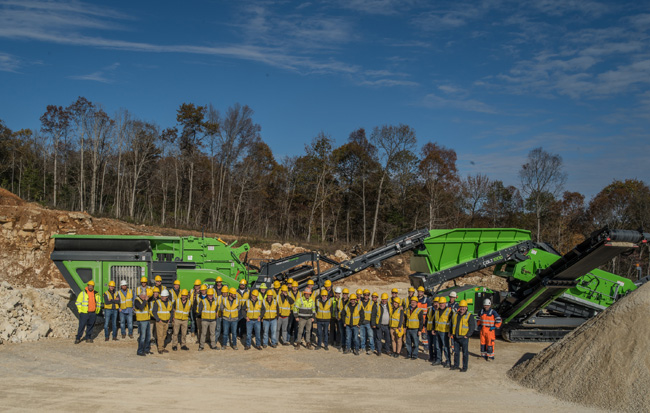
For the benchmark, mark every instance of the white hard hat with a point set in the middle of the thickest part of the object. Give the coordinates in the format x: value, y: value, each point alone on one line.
x: 487, y: 301
x: 123, y: 282
x: 453, y: 294
x: 164, y: 293
x: 338, y: 290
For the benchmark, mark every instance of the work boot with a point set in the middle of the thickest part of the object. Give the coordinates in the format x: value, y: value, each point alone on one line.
x: 297, y: 346
x: 463, y: 370
x: 356, y: 352
x: 160, y: 352
x: 436, y: 363
x: 77, y: 341
x: 274, y: 345
x: 259, y: 347
x: 90, y: 340
x: 130, y: 336
x: 327, y: 348
x: 378, y: 353
x: 346, y: 351
x: 184, y: 348
x: 367, y: 352
x: 200, y: 348
x: 106, y: 339
x: 309, y: 346
x: 114, y: 338
x: 141, y: 354
x: 124, y: 336
x: 174, y: 348
x: 214, y: 347
x: 247, y: 347
x: 165, y: 351
x: 445, y: 365
x: 286, y: 344
x: 235, y: 348
x: 453, y: 368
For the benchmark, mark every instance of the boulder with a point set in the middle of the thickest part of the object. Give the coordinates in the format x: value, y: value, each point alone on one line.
x: 276, y: 246
x: 341, y: 255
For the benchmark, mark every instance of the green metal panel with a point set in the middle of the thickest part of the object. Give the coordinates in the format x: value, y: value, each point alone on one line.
x: 447, y: 248
x: 76, y: 268
x: 469, y: 293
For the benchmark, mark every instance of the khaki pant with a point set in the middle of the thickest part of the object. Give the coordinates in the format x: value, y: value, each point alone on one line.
x: 304, y: 324
x: 161, y: 334
x: 198, y: 328
x: 397, y: 341
x: 180, y: 326
x: 208, y: 328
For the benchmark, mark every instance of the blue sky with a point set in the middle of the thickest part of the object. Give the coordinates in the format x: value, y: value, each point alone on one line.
x: 491, y: 79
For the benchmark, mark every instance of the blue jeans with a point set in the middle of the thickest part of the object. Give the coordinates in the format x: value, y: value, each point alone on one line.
x: 128, y: 318
x: 273, y: 325
x: 217, y: 329
x: 144, y: 339
x: 322, y: 331
x: 230, y: 327
x: 461, y: 345
x: 110, y: 318
x: 341, y: 341
x: 250, y: 326
x: 86, y: 321
x: 443, y: 347
x: 412, y: 343
x: 367, y: 336
x: 352, y: 337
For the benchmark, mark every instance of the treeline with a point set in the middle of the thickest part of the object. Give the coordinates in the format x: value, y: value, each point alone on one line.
x: 213, y: 171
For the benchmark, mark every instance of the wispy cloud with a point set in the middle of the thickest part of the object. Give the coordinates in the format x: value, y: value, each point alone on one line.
x: 105, y: 75
x: 9, y: 63
x: 432, y: 100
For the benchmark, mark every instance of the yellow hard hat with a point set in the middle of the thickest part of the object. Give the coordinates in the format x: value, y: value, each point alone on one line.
x: 243, y: 281
x: 414, y: 298
x: 290, y: 281
x: 255, y: 293
x: 375, y: 294
x: 276, y: 284
x: 310, y: 282
x: 204, y: 287
x: 224, y: 289
x: 270, y: 293
x: 149, y: 292
x: 232, y: 290
x: 366, y: 291
x: 177, y: 282
x: 324, y: 292
x: 346, y: 291
x: 394, y: 290
x: 184, y: 292
x: 210, y: 291
x: 284, y: 288
x: 110, y: 283
x: 158, y: 278
x: 294, y: 284
x: 443, y: 300
x: 353, y: 296
x: 143, y: 280
x: 421, y: 288
x: 328, y: 283
x: 411, y: 289
x: 384, y: 296
x: 463, y: 303
x: 91, y: 282
x: 218, y: 280
x: 156, y: 289
x: 397, y: 300
x: 197, y: 282
x: 436, y: 300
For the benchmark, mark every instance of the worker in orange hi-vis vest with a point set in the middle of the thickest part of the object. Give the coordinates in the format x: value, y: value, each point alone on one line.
x: 423, y: 304
x: 488, y: 322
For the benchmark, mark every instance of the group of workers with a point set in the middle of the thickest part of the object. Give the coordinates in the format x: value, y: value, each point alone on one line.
x: 283, y: 315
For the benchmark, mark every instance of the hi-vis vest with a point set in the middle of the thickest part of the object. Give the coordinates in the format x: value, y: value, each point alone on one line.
x: 324, y: 310
x: 231, y: 309
x: 110, y: 297
x: 294, y: 296
x: 367, y: 310
x: 443, y: 319
x: 341, y: 306
x: 413, y: 317
x: 284, y: 306
x: 82, y: 302
x: 140, y: 290
x: 242, y: 296
x: 209, y: 310
x: 126, y: 300
x: 142, y: 315
x: 270, y: 310
x: 461, y: 329
x: 254, y: 310
x: 164, y: 310
x: 174, y: 294
x: 352, y: 315
x: 395, y: 317
x: 182, y: 312
x: 431, y: 318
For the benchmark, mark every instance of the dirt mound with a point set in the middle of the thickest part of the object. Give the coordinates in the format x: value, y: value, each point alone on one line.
x: 9, y: 199
x: 604, y: 363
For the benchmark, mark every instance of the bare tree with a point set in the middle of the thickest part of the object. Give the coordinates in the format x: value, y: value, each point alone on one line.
x: 476, y: 189
x: 55, y: 123
x: 542, y: 179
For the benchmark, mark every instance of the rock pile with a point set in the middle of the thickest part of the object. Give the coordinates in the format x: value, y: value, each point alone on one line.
x: 31, y: 314
x: 604, y: 363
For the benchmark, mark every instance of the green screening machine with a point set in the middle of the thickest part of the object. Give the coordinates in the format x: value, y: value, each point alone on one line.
x: 548, y: 293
